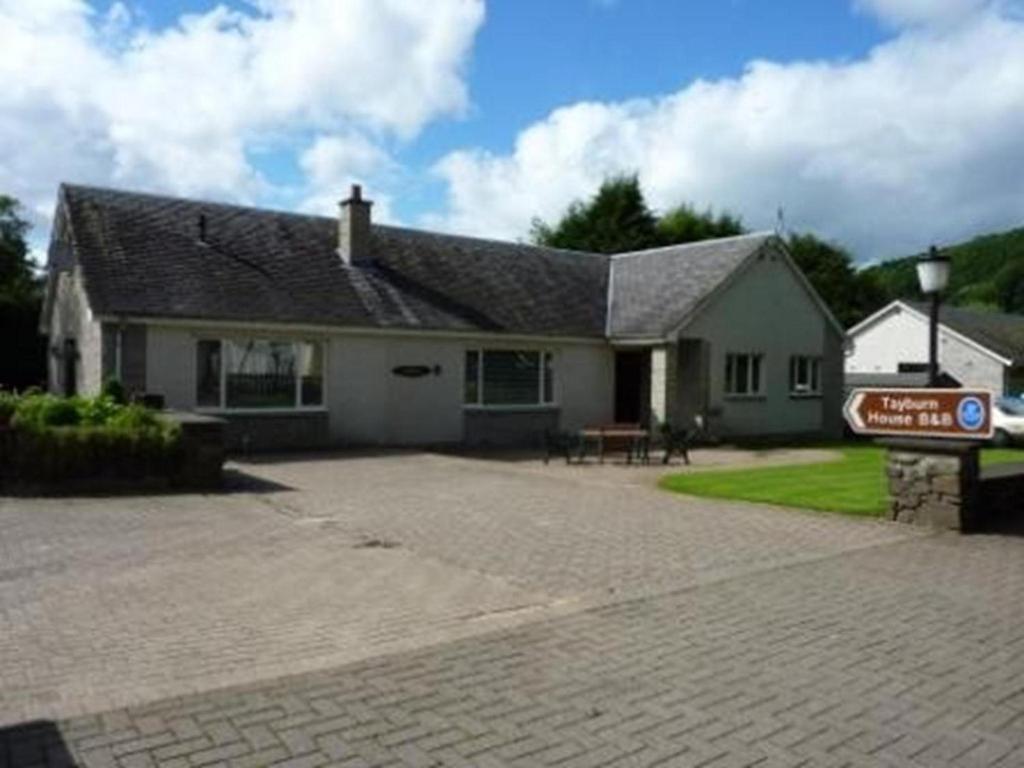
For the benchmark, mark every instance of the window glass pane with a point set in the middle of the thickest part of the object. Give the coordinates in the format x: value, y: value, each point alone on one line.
x: 549, y: 378
x: 815, y: 375
x: 311, y: 369
x: 471, y: 389
x: 511, y: 377
x: 730, y: 369
x: 755, y: 374
x: 742, y: 368
x: 208, y: 373
x: 260, y: 374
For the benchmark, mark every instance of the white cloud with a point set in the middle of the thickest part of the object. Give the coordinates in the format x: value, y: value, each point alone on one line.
x: 99, y: 96
x: 901, y: 13
x: 918, y: 141
x: 332, y: 162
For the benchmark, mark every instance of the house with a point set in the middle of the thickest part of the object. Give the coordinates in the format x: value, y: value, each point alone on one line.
x: 977, y: 349
x: 305, y: 330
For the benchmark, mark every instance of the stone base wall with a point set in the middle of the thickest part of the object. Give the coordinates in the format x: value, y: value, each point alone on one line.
x: 255, y: 433
x: 934, y: 485
x: 508, y: 429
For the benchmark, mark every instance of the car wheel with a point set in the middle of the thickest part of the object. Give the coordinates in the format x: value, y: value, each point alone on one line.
x: 1001, y: 438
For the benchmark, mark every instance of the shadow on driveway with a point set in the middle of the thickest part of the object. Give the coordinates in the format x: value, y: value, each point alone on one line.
x: 35, y: 743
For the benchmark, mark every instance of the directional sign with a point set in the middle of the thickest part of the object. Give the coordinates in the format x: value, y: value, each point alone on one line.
x: 953, y: 413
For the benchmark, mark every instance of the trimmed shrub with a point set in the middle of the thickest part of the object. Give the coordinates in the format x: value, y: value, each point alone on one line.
x: 62, y: 442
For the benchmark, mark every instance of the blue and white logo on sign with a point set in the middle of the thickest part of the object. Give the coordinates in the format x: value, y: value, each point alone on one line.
x: 970, y: 414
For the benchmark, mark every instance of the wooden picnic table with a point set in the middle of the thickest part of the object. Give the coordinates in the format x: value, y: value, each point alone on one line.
x: 636, y: 439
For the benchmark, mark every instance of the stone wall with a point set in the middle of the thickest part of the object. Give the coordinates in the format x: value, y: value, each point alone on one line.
x: 507, y: 429
x: 934, y: 484
x: 287, y: 431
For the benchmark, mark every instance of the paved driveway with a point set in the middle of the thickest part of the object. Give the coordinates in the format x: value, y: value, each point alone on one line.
x: 526, y: 618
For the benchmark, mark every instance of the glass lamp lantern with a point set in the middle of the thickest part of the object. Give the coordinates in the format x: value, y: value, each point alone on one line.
x: 933, y: 272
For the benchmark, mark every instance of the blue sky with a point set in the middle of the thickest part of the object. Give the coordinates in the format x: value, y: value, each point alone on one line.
x: 883, y: 124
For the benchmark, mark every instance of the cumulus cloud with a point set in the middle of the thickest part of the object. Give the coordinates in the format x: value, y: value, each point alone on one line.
x: 917, y: 141
x: 102, y: 97
x: 900, y: 13
x: 332, y: 162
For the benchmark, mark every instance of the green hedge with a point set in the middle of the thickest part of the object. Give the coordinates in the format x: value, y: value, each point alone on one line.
x: 58, y: 442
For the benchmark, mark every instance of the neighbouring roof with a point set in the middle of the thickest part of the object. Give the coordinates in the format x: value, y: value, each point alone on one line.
x: 654, y: 292
x: 895, y: 380
x: 141, y: 256
x: 996, y: 331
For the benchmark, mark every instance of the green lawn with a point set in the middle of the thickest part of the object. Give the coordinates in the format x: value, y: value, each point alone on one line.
x: 855, y: 484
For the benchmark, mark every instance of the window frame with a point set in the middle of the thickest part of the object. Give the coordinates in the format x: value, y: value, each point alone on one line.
x: 814, y: 389
x: 730, y: 375
x: 545, y: 357
x: 295, y: 343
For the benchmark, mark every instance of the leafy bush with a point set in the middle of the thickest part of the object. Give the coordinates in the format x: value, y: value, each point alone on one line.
x: 8, y: 402
x: 40, y: 411
x: 114, y: 390
x: 55, y: 440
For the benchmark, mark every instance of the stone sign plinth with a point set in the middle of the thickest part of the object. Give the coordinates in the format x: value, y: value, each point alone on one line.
x: 934, y: 483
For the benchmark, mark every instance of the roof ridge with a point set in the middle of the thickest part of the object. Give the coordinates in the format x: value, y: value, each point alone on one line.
x: 192, y: 200
x: 490, y: 240
x: 762, y: 234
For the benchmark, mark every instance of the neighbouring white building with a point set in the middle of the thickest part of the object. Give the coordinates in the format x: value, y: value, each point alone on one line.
x: 977, y: 349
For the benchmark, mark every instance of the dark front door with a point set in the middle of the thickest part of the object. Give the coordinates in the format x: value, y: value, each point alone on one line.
x: 632, y: 381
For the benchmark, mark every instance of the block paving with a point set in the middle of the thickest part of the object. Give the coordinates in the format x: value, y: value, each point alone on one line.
x: 859, y: 645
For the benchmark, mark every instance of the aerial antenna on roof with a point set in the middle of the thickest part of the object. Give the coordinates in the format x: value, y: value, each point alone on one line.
x: 202, y: 227
x: 780, y: 222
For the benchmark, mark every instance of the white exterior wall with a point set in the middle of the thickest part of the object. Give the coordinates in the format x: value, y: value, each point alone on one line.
x: 72, y: 318
x: 765, y: 310
x: 369, y: 404
x: 900, y: 336
x: 171, y: 366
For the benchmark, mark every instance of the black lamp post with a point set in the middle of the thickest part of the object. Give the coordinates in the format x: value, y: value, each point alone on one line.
x: 933, y: 275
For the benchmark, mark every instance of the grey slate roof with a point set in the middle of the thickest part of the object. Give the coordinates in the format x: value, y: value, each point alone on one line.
x: 997, y: 331
x: 141, y: 255
x: 654, y: 291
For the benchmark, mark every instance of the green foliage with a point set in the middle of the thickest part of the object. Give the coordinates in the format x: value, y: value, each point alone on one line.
x: 22, y: 349
x: 57, y: 440
x: 852, y: 295
x: 8, y: 403
x: 114, y: 389
x: 615, y: 220
x: 16, y: 274
x: 686, y: 225
x: 987, y: 272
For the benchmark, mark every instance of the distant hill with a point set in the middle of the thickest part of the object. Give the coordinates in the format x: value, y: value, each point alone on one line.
x: 987, y: 273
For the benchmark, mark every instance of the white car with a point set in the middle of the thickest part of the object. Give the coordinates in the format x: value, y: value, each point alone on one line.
x: 1008, y: 420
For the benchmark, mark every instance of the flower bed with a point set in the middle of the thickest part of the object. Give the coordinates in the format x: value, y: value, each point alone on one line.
x: 56, y: 444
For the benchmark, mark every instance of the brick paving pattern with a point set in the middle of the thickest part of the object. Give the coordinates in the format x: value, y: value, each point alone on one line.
x: 855, y: 646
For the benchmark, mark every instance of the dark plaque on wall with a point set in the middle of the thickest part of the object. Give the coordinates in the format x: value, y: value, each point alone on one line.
x: 412, y: 371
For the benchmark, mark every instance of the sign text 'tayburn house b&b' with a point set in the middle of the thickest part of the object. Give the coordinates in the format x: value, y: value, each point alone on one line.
x: 950, y: 413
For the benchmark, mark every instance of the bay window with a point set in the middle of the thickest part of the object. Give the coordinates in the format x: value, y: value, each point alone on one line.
x: 259, y: 374
x: 509, y: 377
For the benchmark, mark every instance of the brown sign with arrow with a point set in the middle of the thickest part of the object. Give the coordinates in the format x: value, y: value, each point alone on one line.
x: 950, y: 413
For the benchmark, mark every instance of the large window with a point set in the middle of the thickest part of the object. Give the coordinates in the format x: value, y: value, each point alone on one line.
x: 258, y: 374
x: 744, y: 374
x: 804, y: 375
x: 509, y: 377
